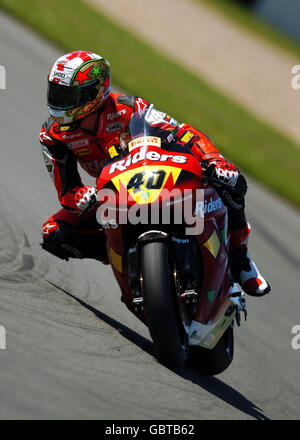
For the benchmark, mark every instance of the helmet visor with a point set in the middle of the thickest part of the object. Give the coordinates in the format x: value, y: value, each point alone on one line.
x: 69, y: 97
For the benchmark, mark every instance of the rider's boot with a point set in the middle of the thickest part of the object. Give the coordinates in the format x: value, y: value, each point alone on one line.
x: 243, y: 269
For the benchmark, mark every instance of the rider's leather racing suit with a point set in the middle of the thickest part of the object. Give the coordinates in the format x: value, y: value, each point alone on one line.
x: 65, y: 233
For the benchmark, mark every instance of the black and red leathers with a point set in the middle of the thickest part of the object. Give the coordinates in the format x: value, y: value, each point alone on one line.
x: 66, y: 146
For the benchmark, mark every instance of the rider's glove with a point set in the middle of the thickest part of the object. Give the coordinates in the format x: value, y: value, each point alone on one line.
x: 228, y: 181
x: 222, y: 173
x: 85, y: 198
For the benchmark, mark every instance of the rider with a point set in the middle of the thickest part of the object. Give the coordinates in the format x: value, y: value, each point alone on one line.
x: 85, y: 119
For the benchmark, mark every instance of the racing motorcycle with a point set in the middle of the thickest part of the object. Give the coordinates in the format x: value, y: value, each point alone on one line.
x: 174, y: 279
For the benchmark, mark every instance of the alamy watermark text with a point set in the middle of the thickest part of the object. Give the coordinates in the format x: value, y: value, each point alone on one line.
x: 2, y: 77
x: 2, y: 338
x: 296, y: 77
x: 296, y: 338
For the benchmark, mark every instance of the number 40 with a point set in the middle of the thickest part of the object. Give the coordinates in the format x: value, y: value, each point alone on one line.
x: 153, y: 181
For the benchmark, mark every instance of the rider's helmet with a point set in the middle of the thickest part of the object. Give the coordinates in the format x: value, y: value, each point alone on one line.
x: 78, y: 85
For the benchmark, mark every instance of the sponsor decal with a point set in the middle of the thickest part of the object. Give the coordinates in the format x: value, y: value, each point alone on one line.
x: 112, y: 116
x: 59, y: 74
x: 44, y: 137
x: 149, y: 140
x: 188, y: 135
x: 205, y: 207
x: 57, y: 129
x: 47, y: 229
x: 141, y: 155
x: 79, y: 143
x: 83, y: 152
x: 113, y: 127
x: 112, y: 151
x: 141, y: 106
x: 71, y: 136
x: 181, y: 240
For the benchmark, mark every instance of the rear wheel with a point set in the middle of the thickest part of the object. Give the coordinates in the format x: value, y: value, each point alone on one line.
x: 163, y: 318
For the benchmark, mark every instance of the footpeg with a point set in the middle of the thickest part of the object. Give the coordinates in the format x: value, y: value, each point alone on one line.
x: 239, y: 300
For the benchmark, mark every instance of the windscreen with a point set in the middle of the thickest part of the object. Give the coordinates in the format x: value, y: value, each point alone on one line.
x: 152, y: 123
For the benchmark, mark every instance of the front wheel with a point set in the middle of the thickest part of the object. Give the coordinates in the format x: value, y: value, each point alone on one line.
x: 160, y: 304
x: 215, y: 361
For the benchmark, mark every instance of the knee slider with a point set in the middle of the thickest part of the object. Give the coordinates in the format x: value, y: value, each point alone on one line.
x: 55, y: 233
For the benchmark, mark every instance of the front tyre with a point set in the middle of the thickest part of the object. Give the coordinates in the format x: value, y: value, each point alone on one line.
x: 160, y: 304
x: 215, y: 361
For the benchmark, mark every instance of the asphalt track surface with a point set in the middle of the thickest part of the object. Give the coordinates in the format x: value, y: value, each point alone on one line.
x: 73, y: 350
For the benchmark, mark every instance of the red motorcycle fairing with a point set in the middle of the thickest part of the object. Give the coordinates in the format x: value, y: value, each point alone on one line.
x: 213, y: 245
x: 212, y: 242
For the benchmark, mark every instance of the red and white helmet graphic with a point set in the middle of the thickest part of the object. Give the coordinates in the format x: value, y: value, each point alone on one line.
x: 78, y: 84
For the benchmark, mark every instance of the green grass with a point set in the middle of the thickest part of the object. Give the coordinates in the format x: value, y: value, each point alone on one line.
x: 256, y: 147
x: 254, y: 24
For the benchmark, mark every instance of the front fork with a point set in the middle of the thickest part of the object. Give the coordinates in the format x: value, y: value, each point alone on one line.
x: 188, y: 268
x: 134, y: 267
x: 187, y: 265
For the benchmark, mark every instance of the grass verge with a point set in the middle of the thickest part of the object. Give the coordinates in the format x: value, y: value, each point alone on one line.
x: 256, y: 147
x: 261, y: 28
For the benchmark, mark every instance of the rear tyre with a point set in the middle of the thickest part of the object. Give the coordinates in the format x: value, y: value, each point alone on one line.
x: 164, y: 322
x: 215, y: 361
